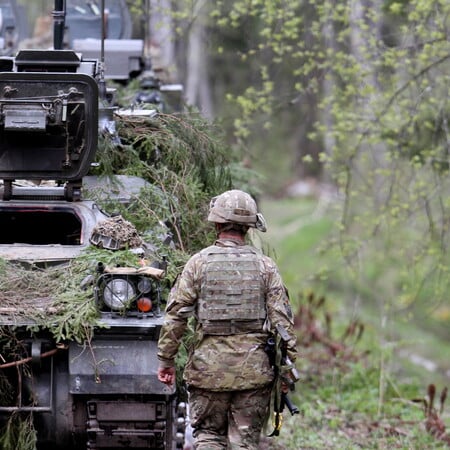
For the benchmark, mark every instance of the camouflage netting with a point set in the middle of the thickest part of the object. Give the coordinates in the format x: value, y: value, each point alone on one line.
x: 56, y: 298
x: 116, y: 233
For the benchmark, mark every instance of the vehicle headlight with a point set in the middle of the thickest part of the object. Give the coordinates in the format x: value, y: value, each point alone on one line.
x: 117, y: 293
x: 144, y: 285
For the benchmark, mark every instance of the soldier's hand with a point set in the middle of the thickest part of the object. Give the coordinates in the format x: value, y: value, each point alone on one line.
x: 166, y: 375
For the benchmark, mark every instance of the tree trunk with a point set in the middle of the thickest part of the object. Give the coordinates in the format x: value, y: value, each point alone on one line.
x: 198, y: 90
x: 329, y: 140
x: 160, y: 45
x: 360, y: 40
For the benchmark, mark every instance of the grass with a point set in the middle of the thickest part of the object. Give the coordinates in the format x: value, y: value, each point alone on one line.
x: 371, y: 394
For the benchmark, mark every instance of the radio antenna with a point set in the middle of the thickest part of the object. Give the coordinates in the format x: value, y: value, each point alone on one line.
x: 102, y: 84
x: 59, y: 19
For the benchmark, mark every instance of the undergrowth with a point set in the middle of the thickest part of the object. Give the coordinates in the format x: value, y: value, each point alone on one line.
x: 348, y: 402
x: 355, y: 391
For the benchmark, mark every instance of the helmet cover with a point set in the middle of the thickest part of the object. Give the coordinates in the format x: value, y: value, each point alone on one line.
x: 238, y: 207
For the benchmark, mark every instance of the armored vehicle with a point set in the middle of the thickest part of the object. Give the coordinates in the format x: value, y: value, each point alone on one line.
x: 93, y: 28
x: 108, y: 37
x: 104, y: 393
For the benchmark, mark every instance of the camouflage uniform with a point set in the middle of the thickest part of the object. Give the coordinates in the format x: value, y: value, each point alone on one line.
x: 228, y: 375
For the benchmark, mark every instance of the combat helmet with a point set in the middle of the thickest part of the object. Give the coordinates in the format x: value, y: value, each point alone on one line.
x: 238, y: 207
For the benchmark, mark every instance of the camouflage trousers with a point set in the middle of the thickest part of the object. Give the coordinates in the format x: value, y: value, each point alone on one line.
x: 228, y: 420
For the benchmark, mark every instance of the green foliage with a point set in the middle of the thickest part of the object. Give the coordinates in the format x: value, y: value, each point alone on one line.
x: 186, y: 144
x: 185, y: 161
x: 19, y: 433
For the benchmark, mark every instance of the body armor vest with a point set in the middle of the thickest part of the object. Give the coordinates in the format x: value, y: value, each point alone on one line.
x: 231, y: 297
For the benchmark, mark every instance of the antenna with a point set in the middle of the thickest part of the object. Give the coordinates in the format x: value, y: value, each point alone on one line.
x: 59, y: 19
x: 102, y: 84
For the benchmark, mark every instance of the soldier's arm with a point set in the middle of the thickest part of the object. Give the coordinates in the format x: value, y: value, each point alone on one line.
x: 181, y: 303
x: 279, y: 309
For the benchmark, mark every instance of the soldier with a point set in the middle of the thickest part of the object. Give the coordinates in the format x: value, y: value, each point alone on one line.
x: 237, y: 297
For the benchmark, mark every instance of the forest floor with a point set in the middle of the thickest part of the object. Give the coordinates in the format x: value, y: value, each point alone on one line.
x: 345, y: 402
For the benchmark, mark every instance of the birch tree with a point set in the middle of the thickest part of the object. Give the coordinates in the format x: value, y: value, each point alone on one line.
x: 197, y: 63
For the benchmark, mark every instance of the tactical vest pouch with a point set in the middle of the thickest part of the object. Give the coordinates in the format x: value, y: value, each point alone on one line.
x: 232, y: 294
